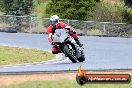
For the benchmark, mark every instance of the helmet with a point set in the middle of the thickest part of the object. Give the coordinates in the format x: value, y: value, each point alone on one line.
x: 54, y: 20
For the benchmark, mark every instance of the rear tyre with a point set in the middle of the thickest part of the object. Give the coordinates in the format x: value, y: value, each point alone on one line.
x: 66, y: 51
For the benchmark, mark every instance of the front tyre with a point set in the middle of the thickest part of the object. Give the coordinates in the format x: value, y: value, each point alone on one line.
x: 82, y: 58
x: 71, y: 57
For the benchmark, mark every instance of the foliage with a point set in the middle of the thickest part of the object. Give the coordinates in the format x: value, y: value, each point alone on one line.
x: 70, y: 9
x: 128, y: 15
x: 128, y: 2
x: 128, y: 12
x: 16, y: 7
x: 40, y: 6
x: 106, y: 12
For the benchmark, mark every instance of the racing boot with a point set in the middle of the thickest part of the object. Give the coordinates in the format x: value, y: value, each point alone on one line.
x: 78, y: 42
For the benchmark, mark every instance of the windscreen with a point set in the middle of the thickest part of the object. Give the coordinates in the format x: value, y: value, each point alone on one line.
x: 60, y: 35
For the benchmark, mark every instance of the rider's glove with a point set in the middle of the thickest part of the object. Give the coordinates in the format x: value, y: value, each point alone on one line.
x: 72, y: 32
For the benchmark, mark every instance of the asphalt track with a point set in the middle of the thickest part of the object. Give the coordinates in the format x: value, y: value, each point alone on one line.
x: 102, y: 53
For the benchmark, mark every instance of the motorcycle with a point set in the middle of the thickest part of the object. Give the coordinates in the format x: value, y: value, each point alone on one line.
x: 68, y: 45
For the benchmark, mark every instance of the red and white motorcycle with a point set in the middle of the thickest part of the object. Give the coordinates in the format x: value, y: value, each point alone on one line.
x: 68, y: 45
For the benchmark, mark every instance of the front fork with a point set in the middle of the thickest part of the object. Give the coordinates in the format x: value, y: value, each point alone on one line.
x: 77, y: 47
x: 72, y: 41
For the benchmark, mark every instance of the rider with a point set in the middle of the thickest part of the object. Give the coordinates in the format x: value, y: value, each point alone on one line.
x: 55, y: 24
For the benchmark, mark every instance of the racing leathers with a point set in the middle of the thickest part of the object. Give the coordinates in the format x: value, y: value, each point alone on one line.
x: 51, y: 31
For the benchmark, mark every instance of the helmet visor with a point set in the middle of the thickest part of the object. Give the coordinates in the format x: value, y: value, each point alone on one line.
x: 53, y: 22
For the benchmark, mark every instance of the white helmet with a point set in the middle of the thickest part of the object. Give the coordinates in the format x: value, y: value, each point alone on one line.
x: 54, y: 18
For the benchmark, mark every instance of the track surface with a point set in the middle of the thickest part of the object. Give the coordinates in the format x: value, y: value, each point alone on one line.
x: 101, y: 53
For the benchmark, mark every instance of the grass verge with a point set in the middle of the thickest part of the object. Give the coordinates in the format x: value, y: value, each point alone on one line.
x: 14, y: 55
x: 64, y: 84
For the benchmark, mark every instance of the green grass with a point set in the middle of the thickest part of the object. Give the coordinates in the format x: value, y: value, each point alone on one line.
x: 65, y: 84
x: 13, y: 55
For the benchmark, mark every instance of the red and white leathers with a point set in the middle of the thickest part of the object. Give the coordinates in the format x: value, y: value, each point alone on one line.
x: 51, y: 30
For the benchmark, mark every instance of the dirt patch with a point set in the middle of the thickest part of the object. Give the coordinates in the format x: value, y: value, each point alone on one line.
x: 17, y: 79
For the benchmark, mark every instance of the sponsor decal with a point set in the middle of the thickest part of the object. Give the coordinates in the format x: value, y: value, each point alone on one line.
x: 82, y: 78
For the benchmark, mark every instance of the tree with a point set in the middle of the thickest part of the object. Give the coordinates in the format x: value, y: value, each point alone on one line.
x: 16, y: 7
x: 70, y: 9
x: 128, y: 2
x: 106, y: 12
x: 128, y: 12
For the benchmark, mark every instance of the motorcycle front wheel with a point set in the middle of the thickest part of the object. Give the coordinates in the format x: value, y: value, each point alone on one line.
x: 67, y: 52
x: 82, y: 58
